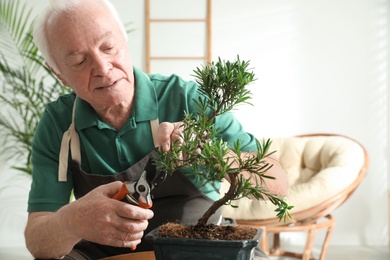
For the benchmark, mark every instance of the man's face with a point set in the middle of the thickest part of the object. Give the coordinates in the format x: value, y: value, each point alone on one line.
x: 92, y: 56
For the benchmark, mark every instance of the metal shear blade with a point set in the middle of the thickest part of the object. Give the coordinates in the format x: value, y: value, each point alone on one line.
x: 138, y: 192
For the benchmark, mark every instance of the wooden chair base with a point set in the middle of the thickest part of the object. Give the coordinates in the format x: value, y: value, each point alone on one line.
x: 310, y: 227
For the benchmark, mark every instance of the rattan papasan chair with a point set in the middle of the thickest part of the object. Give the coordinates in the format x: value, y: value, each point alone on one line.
x: 323, y: 171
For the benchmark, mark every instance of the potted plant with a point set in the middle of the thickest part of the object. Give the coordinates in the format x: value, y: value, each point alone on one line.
x: 26, y: 84
x: 25, y: 87
x: 223, y: 87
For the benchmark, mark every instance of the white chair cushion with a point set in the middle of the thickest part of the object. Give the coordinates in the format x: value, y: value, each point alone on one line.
x: 318, y: 167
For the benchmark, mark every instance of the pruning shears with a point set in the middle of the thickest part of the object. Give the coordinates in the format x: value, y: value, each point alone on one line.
x: 138, y: 192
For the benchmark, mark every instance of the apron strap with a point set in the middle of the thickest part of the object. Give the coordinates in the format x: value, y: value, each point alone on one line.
x: 69, y: 137
x: 154, y: 125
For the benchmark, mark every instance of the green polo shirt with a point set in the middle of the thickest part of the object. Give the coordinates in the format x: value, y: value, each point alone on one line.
x: 107, y: 151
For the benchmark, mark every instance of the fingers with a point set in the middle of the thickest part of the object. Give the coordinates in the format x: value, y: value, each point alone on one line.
x: 109, y: 222
x: 128, y: 234
x: 129, y: 211
x: 130, y: 243
x: 118, y: 238
x: 168, y: 133
x: 129, y: 225
x: 110, y: 189
x: 124, y: 228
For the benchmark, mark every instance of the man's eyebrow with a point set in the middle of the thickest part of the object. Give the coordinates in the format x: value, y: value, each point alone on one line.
x: 106, y: 35
x: 74, y: 53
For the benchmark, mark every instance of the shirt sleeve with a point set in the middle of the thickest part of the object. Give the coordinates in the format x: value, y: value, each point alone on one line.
x: 229, y: 126
x: 231, y: 131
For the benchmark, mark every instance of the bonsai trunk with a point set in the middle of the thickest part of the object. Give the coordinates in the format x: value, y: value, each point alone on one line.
x: 219, y: 203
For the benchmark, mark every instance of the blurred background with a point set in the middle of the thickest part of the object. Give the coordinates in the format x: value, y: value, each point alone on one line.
x: 322, y: 66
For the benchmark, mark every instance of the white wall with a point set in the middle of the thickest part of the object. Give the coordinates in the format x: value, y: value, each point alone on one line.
x: 322, y: 66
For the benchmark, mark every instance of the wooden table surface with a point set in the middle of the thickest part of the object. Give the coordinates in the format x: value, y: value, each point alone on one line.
x: 133, y: 256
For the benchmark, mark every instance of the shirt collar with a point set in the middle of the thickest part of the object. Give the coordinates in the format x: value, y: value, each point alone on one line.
x: 145, y: 104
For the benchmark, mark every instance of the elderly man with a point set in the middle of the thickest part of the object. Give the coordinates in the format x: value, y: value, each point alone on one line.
x: 103, y: 132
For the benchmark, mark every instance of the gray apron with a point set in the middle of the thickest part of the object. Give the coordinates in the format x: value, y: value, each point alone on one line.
x: 176, y: 199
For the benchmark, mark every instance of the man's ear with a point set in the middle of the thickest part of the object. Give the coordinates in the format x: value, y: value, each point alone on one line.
x: 57, y: 74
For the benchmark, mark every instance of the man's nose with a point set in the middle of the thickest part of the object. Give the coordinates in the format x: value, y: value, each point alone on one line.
x: 101, y: 65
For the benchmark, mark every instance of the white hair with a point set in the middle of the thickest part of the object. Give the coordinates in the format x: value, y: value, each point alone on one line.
x: 51, y: 12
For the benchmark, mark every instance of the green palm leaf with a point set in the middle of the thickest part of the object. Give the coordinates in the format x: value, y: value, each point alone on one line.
x: 26, y: 84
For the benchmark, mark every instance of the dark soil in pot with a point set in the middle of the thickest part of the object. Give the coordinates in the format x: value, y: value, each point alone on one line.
x: 211, y: 231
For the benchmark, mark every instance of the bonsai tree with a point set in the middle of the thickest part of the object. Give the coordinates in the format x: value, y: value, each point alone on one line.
x: 203, y: 151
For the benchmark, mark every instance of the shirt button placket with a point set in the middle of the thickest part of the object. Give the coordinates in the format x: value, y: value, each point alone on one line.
x: 118, y: 147
x: 121, y: 155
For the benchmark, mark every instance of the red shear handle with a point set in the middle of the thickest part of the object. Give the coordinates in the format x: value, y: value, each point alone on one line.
x: 145, y: 205
x: 121, y: 193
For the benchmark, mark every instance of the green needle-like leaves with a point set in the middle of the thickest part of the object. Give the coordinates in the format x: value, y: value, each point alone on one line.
x: 26, y: 84
x: 222, y: 85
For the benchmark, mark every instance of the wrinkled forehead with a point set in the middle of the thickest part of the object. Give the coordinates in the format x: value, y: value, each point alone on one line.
x: 78, y: 11
x: 80, y: 21
x: 81, y: 31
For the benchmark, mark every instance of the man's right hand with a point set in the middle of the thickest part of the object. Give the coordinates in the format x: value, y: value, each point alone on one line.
x: 95, y: 217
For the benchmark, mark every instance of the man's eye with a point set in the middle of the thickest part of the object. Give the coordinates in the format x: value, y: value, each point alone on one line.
x: 110, y: 49
x: 79, y: 63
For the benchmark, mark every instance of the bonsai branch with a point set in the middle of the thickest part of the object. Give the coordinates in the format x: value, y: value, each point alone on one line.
x: 203, y: 151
